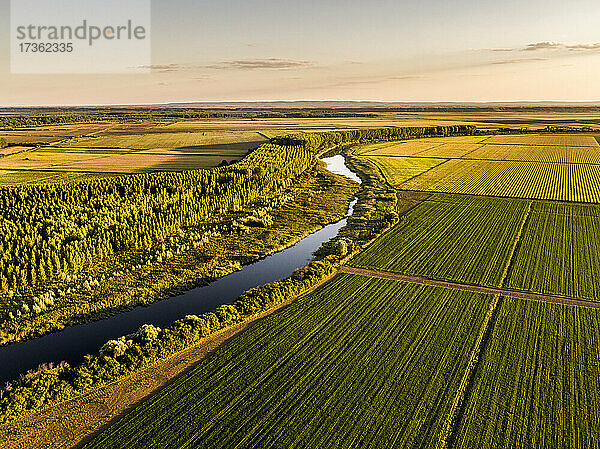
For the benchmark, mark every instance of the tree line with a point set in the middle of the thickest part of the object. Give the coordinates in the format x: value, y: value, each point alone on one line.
x: 325, y: 140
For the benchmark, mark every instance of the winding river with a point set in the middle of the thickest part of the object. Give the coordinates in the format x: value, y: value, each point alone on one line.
x: 73, y: 342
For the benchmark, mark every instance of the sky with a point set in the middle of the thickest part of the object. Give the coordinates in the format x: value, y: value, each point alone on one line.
x: 380, y: 50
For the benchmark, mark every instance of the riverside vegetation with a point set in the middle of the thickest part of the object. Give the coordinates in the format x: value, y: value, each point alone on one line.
x: 46, y: 386
x: 68, y: 243
x: 366, y: 362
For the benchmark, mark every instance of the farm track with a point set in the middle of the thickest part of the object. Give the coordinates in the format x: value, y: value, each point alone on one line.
x: 556, y: 299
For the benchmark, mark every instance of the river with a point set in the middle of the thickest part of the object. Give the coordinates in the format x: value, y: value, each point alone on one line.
x: 73, y: 342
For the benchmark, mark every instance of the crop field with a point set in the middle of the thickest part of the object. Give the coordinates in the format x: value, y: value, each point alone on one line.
x: 538, y: 384
x: 446, y: 147
x: 143, y: 161
x: 553, y: 167
x: 48, y: 134
x: 568, y: 140
x: 343, y: 367
x: 186, y: 140
x: 470, y: 239
x: 400, y: 169
x: 559, y: 251
x: 537, y: 153
x: 465, y: 239
x: 12, y: 150
x: 566, y: 182
x: 118, y: 160
x: 12, y: 177
x: 31, y: 137
x: 46, y: 159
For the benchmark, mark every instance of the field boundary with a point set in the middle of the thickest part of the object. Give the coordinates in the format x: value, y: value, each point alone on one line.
x: 503, y: 291
x: 416, y: 156
x: 480, y: 195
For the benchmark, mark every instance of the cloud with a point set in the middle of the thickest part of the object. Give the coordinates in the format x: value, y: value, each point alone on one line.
x: 261, y: 64
x: 501, y: 49
x: 517, y: 61
x: 542, y: 46
x: 406, y: 77
x: 376, y: 80
x: 162, y: 67
x: 584, y: 46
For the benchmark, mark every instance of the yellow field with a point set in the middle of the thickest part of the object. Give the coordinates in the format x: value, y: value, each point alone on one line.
x: 41, y: 160
x: 566, y: 182
x: 146, y: 161
x: 538, y: 148
x: 20, y: 177
x: 546, y: 140
x: 444, y: 147
x: 551, y: 153
x: 187, y: 140
x: 557, y: 167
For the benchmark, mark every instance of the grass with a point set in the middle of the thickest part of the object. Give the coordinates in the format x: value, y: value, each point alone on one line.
x: 560, y: 251
x: 331, y: 370
x: 451, y: 238
x: 539, y: 380
x: 400, y: 169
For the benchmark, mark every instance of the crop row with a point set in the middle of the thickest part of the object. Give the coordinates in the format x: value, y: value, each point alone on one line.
x: 400, y: 169
x: 560, y: 251
x: 532, y: 153
x: 566, y: 182
x: 571, y: 140
x: 451, y: 238
x: 360, y: 363
x: 538, y: 384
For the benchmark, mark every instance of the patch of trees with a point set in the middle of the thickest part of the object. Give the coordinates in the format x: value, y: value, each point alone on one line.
x: 50, y: 231
x: 325, y: 140
x: 3, y: 142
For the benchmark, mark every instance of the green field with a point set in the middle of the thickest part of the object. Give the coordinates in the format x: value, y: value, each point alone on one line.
x: 538, y: 385
x: 470, y: 239
x: 559, y: 251
x: 400, y: 169
x: 463, y: 239
x: 359, y: 363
